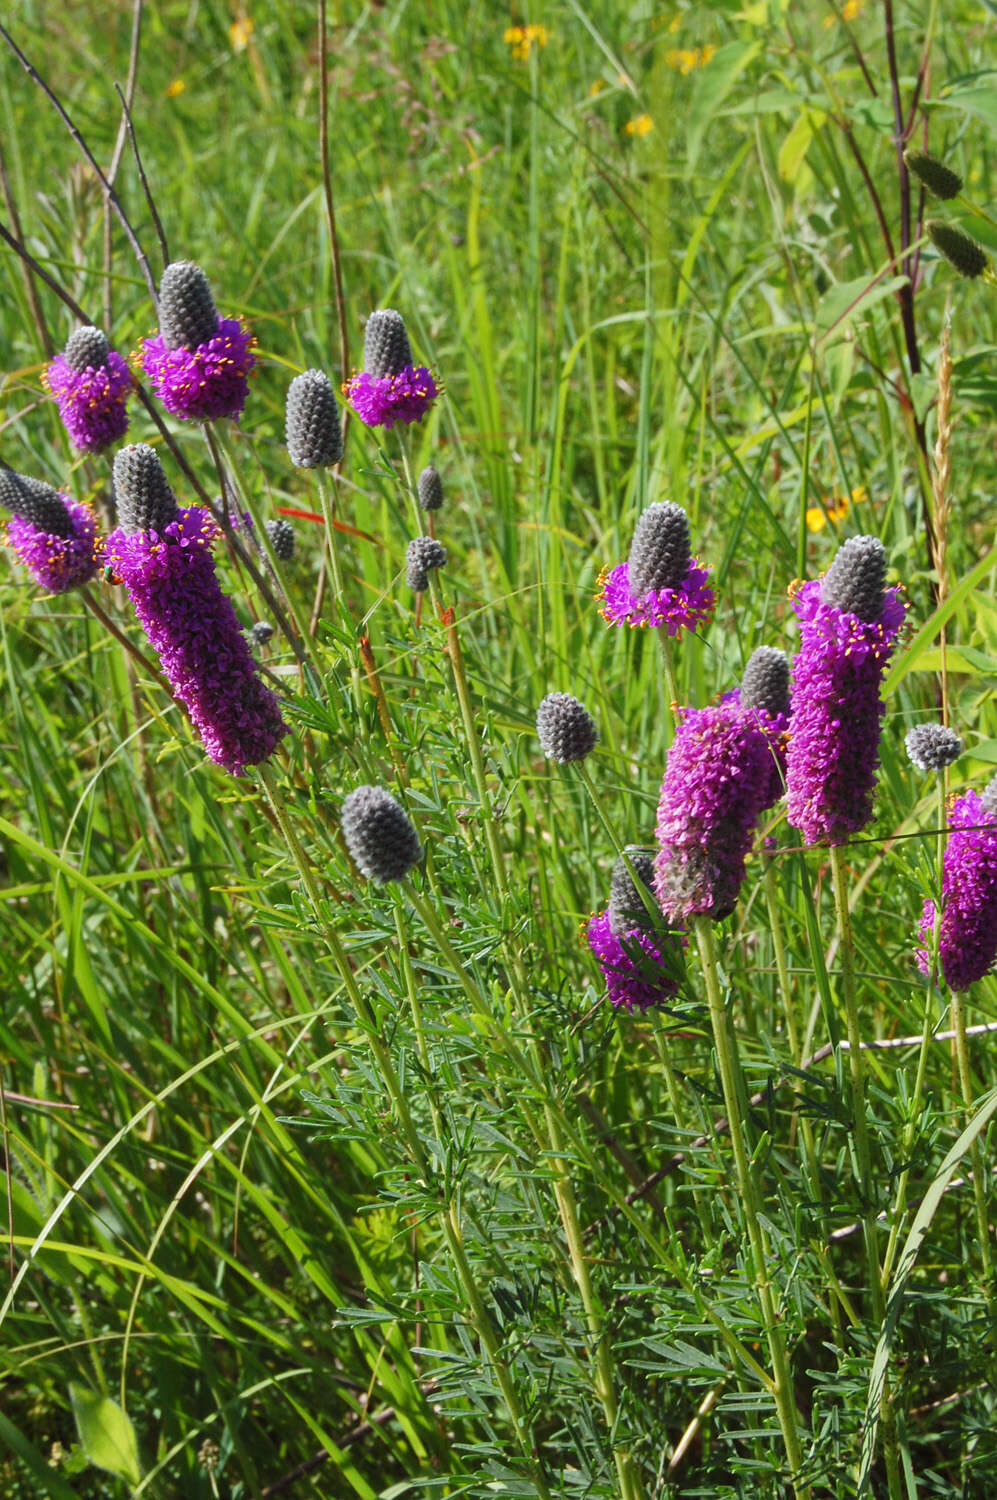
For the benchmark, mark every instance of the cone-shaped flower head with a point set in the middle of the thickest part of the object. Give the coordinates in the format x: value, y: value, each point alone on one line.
x: 162, y: 555
x: 934, y: 174
x: 967, y: 934
x: 199, y: 363
x: 91, y: 384
x: 386, y: 347
x: 661, y: 583
x: 390, y: 388
x: 422, y: 555
x: 959, y: 248
x: 565, y: 728
x: 717, y: 783
x: 764, y: 693
x: 848, y: 627
x: 144, y: 497
x: 932, y: 747
x: 430, y: 488
x: 626, y: 904
x: 379, y: 834
x: 54, y: 537
x: 281, y: 534
x: 312, y: 423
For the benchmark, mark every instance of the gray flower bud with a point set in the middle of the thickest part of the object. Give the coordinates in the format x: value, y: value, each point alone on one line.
x: 379, y: 834
x: 932, y: 747
x: 281, y: 534
x: 565, y: 728
x: 430, y: 488
x: 659, y: 554
x: 86, y: 349
x: 422, y: 555
x: 934, y: 174
x: 187, y: 312
x: 765, y: 683
x: 144, y: 498
x: 312, y: 422
x: 855, y: 580
x: 260, y: 632
x: 386, y: 347
x: 626, y: 908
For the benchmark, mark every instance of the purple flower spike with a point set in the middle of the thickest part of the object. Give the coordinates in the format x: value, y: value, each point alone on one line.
x: 91, y: 383
x: 638, y: 974
x: 689, y: 606
x: 170, y: 576
x: 205, y: 383
x: 967, y: 935
x: 764, y: 694
x: 383, y: 400
x: 833, y: 750
x: 54, y: 537
x: 717, y: 783
x: 198, y: 363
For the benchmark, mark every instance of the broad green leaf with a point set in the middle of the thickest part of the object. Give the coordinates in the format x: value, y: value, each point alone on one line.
x: 980, y: 101
x: 711, y: 88
x: 106, y: 1433
x: 845, y: 301
x: 793, y: 151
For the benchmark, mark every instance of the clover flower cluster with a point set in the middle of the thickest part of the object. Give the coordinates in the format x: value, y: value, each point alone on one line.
x: 162, y: 554
x: 54, y: 536
x: 391, y: 387
x: 199, y: 362
x: 967, y: 931
x: 91, y: 384
x: 640, y: 957
x: 661, y: 584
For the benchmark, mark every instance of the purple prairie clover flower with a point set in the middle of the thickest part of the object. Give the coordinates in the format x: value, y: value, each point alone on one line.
x: 661, y: 584
x: 967, y: 933
x: 391, y: 387
x: 849, y: 624
x: 91, y: 383
x: 54, y: 536
x: 383, y: 400
x: 716, y: 785
x: 764, y: 695
x: 162, y: 555
x: 198, y: 363
x: 641, y: 969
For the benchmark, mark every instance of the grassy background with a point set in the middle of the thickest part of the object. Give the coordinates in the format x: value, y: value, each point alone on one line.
x: 223, y: 1234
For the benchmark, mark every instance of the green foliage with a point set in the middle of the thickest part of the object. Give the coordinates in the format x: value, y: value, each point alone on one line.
x: 323, y: 1188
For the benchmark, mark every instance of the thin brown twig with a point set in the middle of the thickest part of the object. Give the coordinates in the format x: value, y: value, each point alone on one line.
x: 111, y: 195
x: 119, y: 146
x: 150, y: 201
x: 37, y: 311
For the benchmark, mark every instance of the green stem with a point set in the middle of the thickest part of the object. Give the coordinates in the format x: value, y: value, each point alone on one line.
x: 733, y: 1090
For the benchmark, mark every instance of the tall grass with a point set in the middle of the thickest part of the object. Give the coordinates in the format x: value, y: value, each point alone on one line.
x: 333, y: 1189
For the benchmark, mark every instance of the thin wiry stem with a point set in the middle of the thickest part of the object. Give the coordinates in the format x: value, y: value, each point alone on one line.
x: 119, y: 146
x: 150, y: 201
x: 112, y: 196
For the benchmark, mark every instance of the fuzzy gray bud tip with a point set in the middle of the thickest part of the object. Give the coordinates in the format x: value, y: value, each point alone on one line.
x: 565, y: 728
x: 855, y: 580
x: 379, y: 834
x: 36, y: 502
x: 765, y: 683
x: 959, y: 249
x: 187, y: 312
x: 939, y: 179
x: 386, y: 347
x: 281, y: 534
x: 626, y: 906
x: 989, y: 799
x: 145, y: 500
x: 430, y: 488
x: 422, y: 555
x: 86, y: 349
x: 932, y: 747
x: 312, y: 423
x: 659, y: 555
x: 261, y: 632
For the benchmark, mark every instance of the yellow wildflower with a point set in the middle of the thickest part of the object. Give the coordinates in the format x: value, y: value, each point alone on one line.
x: 522, y: 39
x: 835, y: 508
x: 849, y: 11
x: 596, y: 89
x: 640, y: 126
x: 175, y: 88
x: 239, y: 33
x: 685, y: 59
